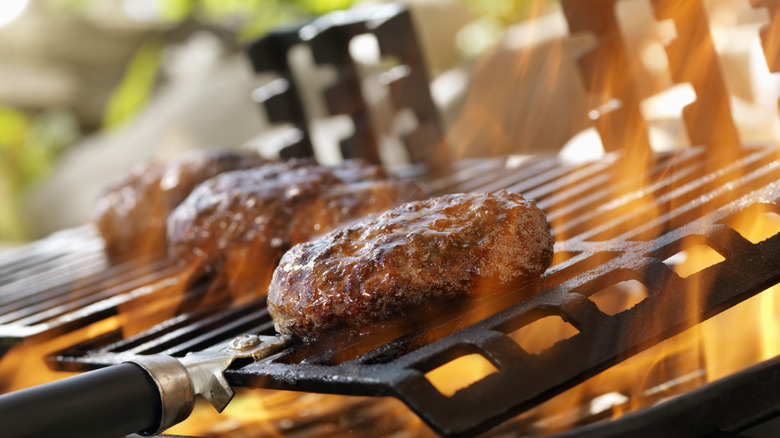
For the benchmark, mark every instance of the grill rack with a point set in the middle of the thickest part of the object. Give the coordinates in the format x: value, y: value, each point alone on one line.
x: 589, y: 220
x: 573, y: 197
x: 64, y: 252
x: 328, y: 38
x: 44, y: 271
x: 64, y: 282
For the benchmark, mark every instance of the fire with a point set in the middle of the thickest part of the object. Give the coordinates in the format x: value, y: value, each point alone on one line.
x: 265, y: 413
x: 460, y: 373
x: 742, y: 336
x: 23, y: 365
x: 524, y: 95
x: 157, y: 301
x: 611, y: 104
x: 496, y: 116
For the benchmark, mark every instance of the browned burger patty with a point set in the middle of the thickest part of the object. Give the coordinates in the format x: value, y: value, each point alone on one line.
x: 451, y: 247
x: 245, y: 220
x: 132, y: 212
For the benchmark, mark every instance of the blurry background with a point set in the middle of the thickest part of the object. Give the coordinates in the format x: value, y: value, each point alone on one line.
x: 88, y: 87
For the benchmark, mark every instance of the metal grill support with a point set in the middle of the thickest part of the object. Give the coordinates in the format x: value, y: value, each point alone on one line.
x: 619, y: 241
x: 329, y: 37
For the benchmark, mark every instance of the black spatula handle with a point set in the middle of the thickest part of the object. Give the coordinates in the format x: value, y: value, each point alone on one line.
x: 109, y: 402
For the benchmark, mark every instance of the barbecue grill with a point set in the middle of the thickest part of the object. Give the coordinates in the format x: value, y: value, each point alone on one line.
x: 609, y: 230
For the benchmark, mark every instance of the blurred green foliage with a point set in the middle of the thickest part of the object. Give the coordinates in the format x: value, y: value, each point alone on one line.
x: 28, y: 147
x: 136, y: 86
x: 248, y: 18
x: 506, y: 11
x: 13, y: 131
x: 29, y: 143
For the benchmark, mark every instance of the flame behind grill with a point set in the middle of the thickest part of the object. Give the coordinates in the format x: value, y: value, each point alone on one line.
x: 605, y: 247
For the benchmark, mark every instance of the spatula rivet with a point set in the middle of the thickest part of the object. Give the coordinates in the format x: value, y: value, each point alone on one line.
x: 245, y: 342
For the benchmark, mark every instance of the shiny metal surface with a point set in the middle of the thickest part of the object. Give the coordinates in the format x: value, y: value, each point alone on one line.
x: 200, y: 373
x: 177, y: 394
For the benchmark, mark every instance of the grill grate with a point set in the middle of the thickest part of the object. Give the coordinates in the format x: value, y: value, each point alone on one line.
x: 606, y: 233
x: 62, y: 256
x: 64, y: 282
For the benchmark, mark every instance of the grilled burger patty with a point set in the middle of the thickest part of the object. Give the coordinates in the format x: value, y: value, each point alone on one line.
x: 245, y: 220
x: 446, y: 248
x: 131, y: 213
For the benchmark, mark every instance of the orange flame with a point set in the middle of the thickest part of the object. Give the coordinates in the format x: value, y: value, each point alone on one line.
x: 534, y: 100
x: 23, y: 365
x: 500, y: 117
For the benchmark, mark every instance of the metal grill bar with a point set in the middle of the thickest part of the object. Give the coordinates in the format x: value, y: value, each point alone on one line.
x: 188, y: 332
x: 618, y: 240
x: 64, y: 283
x: 58, y: 258
x: 53, y: 302
x: 751, y: 399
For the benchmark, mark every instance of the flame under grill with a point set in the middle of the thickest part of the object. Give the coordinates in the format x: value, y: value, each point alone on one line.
x: 606, y: 233
x: 611, y: 225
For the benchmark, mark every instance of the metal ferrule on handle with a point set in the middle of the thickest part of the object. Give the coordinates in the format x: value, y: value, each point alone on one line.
x: 145, y: 396
x: 177, y: 395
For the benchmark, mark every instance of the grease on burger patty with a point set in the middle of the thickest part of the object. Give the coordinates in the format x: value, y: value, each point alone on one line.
x: 447, y: 248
